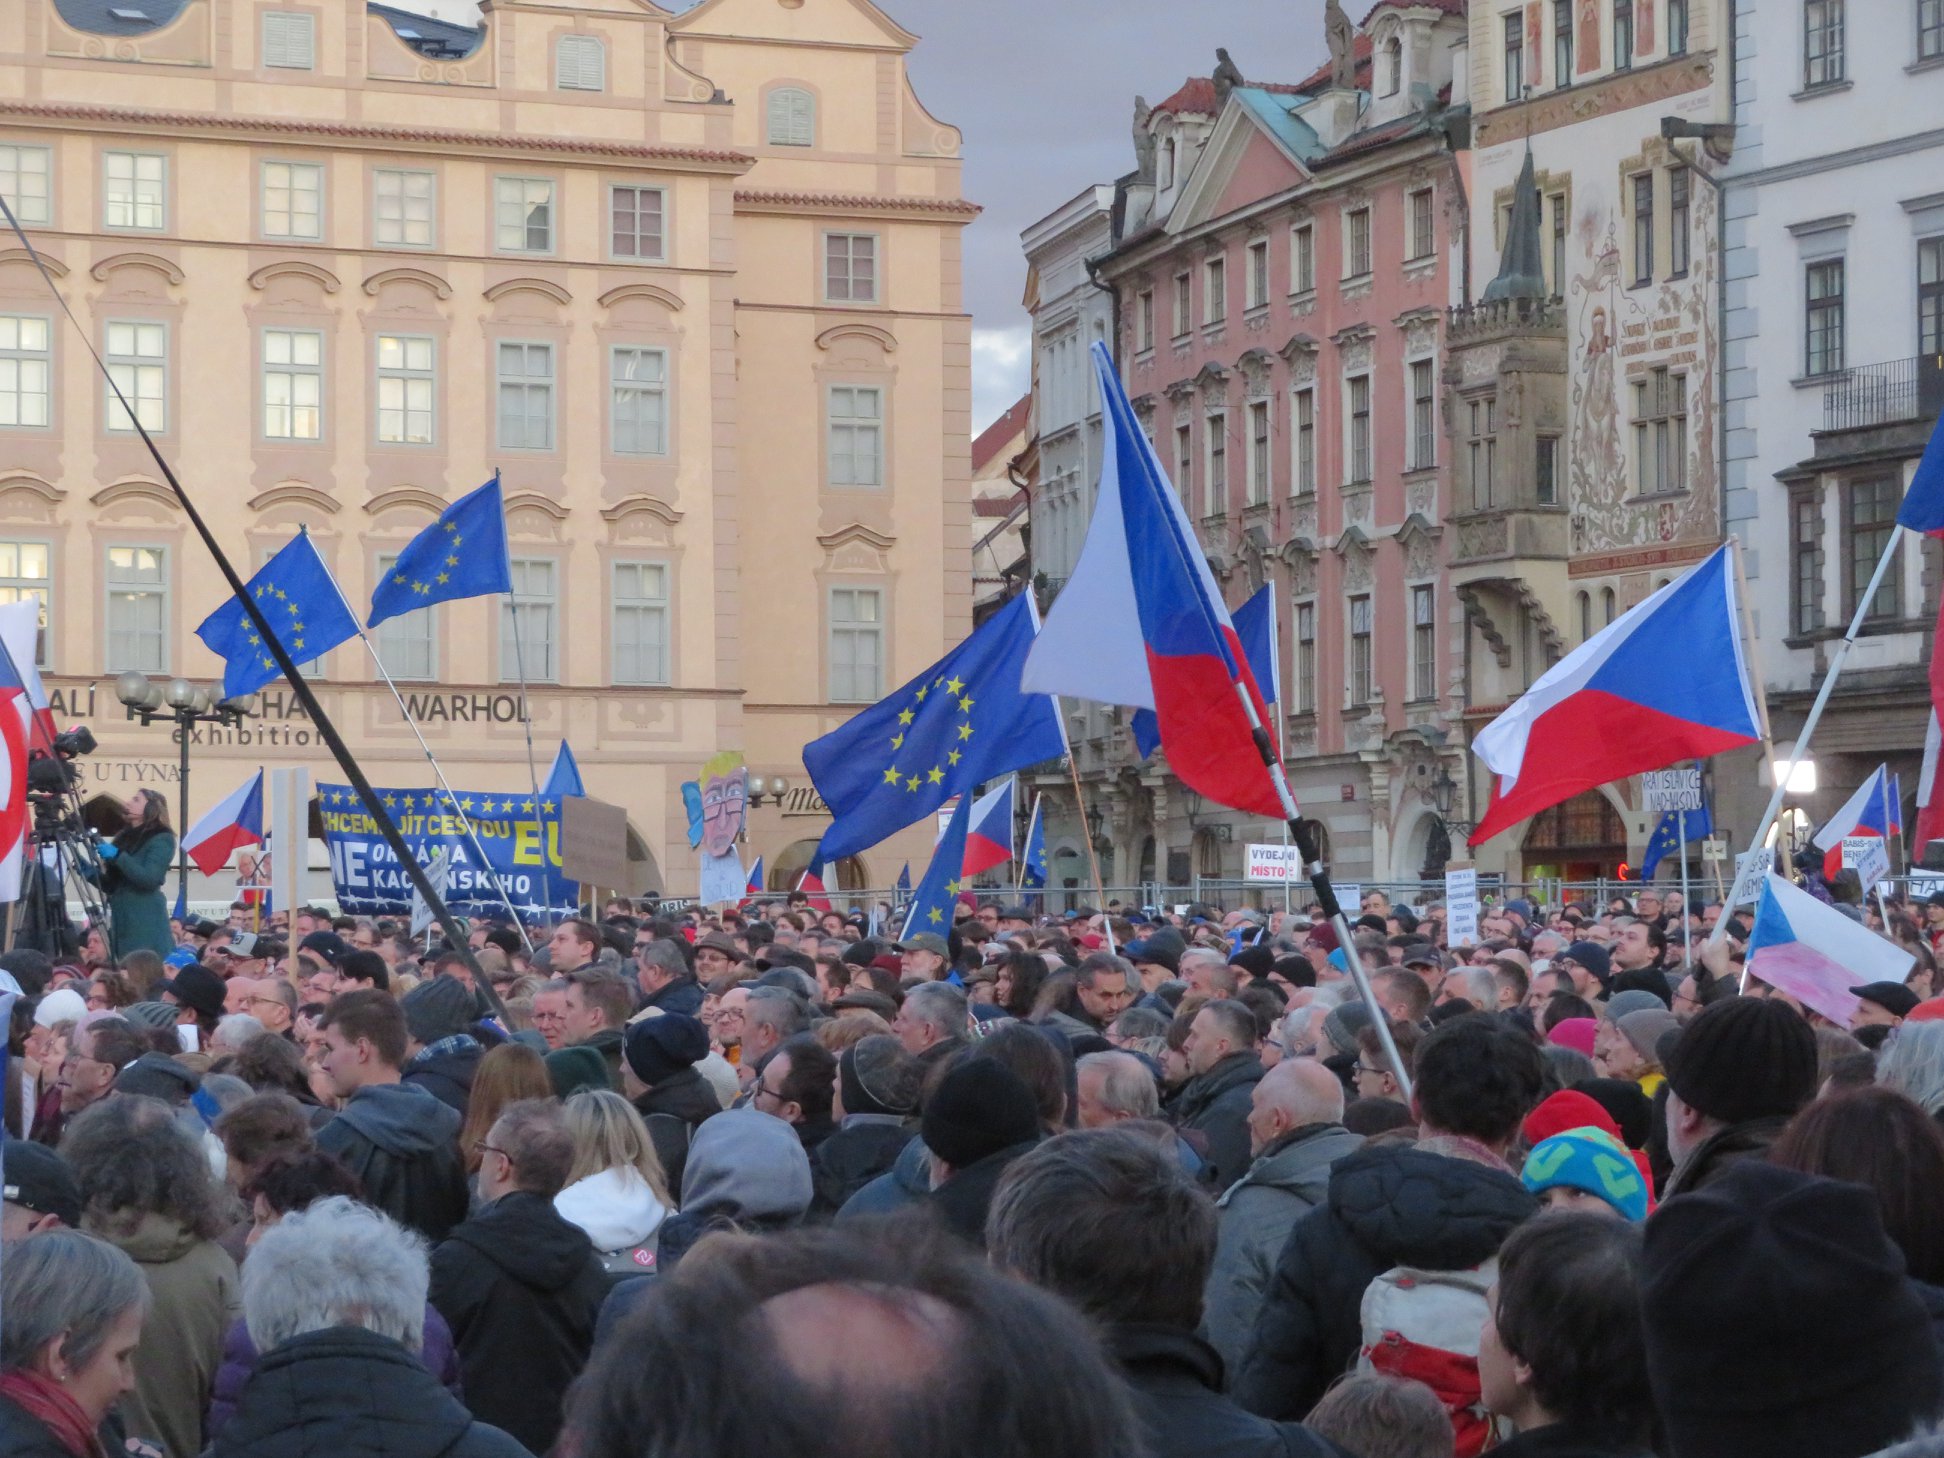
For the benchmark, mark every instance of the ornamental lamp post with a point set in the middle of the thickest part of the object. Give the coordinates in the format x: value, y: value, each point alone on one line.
x: 186, y: 704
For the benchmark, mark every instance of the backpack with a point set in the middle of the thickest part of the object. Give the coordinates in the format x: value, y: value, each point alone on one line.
x: 620, y: 1264
x: 1424, y: 1325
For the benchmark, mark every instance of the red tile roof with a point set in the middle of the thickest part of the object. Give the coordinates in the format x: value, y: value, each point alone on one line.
x: 1001, y: 433
x: 997, y: 507
x: 1197, y: 94
x: 1360, y: 51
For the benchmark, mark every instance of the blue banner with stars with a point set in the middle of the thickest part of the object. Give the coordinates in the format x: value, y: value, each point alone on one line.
x: 961, y: 721
x: 462, y: 554
x: 519, y: 836
x: 295, y: 591
x: 934, y: 902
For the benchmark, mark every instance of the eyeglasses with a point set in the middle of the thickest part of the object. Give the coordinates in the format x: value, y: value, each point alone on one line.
x: 761, y: 1089
x: 480, y: 1146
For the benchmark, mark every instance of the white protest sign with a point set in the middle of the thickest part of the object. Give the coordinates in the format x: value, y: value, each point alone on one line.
x: 1671, y: 789
x: 1751, y: 868
x: 438, y: 871
x: 1868, y: 856
x: 1350, y: 897
x: 1461, y: 908
x: 1280, y: 864
x: 1715, y: 848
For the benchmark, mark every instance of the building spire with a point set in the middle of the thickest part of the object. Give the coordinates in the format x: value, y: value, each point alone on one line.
x: 1522, y: 267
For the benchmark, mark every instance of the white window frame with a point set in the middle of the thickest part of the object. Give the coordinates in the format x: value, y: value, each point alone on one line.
x: 796, y: 126
x: 642, y: 607
x: 1256, y: 279
x: 513, y: 202
x: 1422, y: 442
x: 856, y: 630
x: 35, y: 209
x: 1302, y: 258
x: 403, y: 636
x: 128, y: 370
x: 580, y: 63
x: 20, y: 363
x: 1184, y: 459
x: 637, y: 389
x: 1424, y: 641
x: 288, y: 376
x: 873, y: 288
x: 1214, y: 290
x: 1144, y: 321
x: 1360, y: 670
x: 636, y: 253
x: 1184, y: 306
x: 1215, y: 462
x: 139, y: 185
x: 526, y: 381
x: 1425, y: 247
x: 131, y: 586
x: 855, y: 427
x: 288, y: 41
x: 20, y: 585
x: 402, y: 218
x: 1302, y: 441
x: 1352, y: 446
x: 543, y: 661
x: 1261, y: 444
x: 405, y: 375
x: 1350, y: 244
x: 1303, y: 631
x: 294, y: 175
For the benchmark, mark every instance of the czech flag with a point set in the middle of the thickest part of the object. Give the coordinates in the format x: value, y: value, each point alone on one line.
x: 1816, y: 954
x: 1872, y: 810
x: 19, y: 719
x: 1141, y: 623
x: 811, y: 883
x: 755, y: 886
x: 1255, y: 625
x: 1665, y: 681
x: 20, y: 626
x: 988, y: 839
x: 232, y: 822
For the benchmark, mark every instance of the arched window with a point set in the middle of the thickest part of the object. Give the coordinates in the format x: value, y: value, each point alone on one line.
x: 1393, y: 66
x: 1607, y: 603
x: 1165, y: 177
x: 1584, y: 602
x: 792, y: 118
x: 580, y: 64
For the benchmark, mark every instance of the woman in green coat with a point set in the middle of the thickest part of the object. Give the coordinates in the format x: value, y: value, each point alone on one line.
x: 137, y: 863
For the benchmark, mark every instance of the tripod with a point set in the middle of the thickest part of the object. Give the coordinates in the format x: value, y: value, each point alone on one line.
x: 59, y: 849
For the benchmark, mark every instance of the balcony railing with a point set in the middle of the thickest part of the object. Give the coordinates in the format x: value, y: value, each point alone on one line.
x: 1885, y: 394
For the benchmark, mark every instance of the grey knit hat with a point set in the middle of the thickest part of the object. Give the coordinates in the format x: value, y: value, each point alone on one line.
x: 1344, y: 1023
x: 437, y: 1009
x: 1633, y: 1000
x: 151, y: 1015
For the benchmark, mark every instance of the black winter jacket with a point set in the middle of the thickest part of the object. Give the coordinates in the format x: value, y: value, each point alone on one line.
x: 350, y: 1393
x: 673, y: 1110
x: 448, y: 1077
x: 1177, y: 1382
x: 1217, y: 1104
x: 1561, y: 1441
x: 403, y: 1145
x: 521, y: 1288
x: 965, y: 1198
x: 683, y: 995
x: 1387, y: 1206
x: 851, y: 1158
x: 22, y: 1435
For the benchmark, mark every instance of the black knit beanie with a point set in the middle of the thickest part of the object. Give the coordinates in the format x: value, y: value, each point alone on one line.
x: 659, y: 1048
x: 877, y: 1076
x: 1746, y: 1058
x: 979, y: 1108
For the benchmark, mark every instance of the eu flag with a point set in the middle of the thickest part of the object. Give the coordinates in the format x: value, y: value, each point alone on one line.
x: 961, y: 721
x: 1666, y: 839
x: 933, y: 903
x: 462, y: 554
x: 564, y: 778
x: 295, y: 592
x: 1033, y: 861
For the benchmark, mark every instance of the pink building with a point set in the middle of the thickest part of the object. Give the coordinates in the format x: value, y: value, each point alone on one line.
x: 1283, y: 273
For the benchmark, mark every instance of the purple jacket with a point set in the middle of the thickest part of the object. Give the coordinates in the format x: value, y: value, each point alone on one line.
x: 240, y: 1359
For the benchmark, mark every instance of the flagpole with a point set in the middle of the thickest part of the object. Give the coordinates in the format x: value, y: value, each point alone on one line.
x: 1093, y: 858
x: 1781, y: 775
x: 519, y: 663
x: 1687, y: 920
x: 1882, y: 910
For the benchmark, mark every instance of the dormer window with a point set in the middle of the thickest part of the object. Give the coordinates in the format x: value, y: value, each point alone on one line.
x: 1393, y: 66
x: 1164, y: 177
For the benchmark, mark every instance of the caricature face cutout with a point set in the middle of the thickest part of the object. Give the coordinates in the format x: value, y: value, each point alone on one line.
x: 725, y: 795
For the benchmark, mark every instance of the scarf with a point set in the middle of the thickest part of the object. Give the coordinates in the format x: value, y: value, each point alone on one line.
x: 47, y: 1403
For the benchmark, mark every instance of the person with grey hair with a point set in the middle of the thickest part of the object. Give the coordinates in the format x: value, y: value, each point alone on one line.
x: 74, y: 1312
x: 1476, y: 987
x: 233, y: 1032
x: 1912, y: 1063
x: 662, y: 973
x: 334, y: 1298
x: 1207, y: 972
x: 931, y: 1022
x: 1111, y: 1088
x: 771, y: 1017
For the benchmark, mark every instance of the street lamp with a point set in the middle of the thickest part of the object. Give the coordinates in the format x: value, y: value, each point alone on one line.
x: 1444, y: 796
x: 773, y: 788
x: 186, y: 704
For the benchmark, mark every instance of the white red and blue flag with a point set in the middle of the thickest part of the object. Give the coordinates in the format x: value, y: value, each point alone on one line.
x: 988, y: 838
x: 231, y: 823
x: 1872, y: 810
x: 1813, y: 952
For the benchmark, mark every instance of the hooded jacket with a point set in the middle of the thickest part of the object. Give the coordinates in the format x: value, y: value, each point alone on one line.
x: 747, y: 1169
x: 447, y: 1076
x: 673, y: 1110
x: 1177, y: 1382
x: 1216, y: 1103
x: 1720, y: 1152
x: 345, y: 1392
x: 615, y: 1207
x: 1387, y: 1206
x: 863, y: 1147
x: 403, y: 1145
x: 521, y: 1288
x: 907, y: 1182
x: 1257, y: 1213
x: 193, y: 1296
x: 680, y: 995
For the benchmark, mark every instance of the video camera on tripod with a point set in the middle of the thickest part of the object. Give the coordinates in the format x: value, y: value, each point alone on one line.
x: 60, y: 844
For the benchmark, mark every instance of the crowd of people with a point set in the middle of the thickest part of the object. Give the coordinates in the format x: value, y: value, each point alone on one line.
x: 1116, y: 1181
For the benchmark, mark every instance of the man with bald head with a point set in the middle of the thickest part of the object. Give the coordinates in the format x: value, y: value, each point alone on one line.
x: 1296, y: 1134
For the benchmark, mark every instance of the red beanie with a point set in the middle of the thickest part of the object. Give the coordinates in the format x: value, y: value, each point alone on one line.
x: 1567, y: 1109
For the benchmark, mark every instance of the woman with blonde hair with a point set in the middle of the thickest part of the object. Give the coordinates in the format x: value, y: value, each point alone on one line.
x: 615, y: 1189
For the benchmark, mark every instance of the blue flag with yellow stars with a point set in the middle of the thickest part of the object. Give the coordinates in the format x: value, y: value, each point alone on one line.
x: 1033, y: 861
x: 961, y: 721
x: 462, y: 554
x: 295, y: 592
x: 1666, y: 839
x: 937, y: 895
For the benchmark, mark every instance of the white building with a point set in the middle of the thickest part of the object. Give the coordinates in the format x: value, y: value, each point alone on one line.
x: 1834, y: 248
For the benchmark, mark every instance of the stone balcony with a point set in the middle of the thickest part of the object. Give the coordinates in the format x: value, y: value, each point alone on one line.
x: 1508, y: 534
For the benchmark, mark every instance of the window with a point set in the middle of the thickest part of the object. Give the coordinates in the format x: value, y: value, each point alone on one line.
x: 1823, y: 343
x: 138, y: 364
x: 1302, y: 259
x: 1423, y: 236
x: 1217, y: 498
x: 293, y: 384
x: 135, y: 190
x: 635, y: 218
x: 1583, y: 604
x: 1822, y: 43
x: 1306, y: 658
x: 1660, y: 433
x: 401, y: 208
x: 1144, y: 321
x: 1806, y: 564
x: 523, y: 214
x: 1356, y: 248
x: 1623, y: 34
x: 1184, y: 481
x: 1609, y: 606
x: 289, y: 40
x: 1643, y: 228
x: 138, y: 609
x: 1870, y: 512
x: 856, y: 645
x: 1258, y: 452
x: 26, y: 367
x: 1930, y: 294
x: 1258, y: 285
x: 25, y: 178
x: 580, y: 64
x: 1677, y: 27
x: 1482, y: 446
x: 640, y: 622
x: 1183, y: 314
x: 293, y: 200
x: 408, y: 643
x: 1424, y: 644
x: 638, y: 386
x: 850, y: 268
x: 1515, y: 55
x: 405, y: 389
x: 1164, y: 171
x: 532, y: 610
x: 1358, y: 681
x: 1930, y: 29
x: 1214, y: 291
x: 856, y: 435
x: 1678, y: 182
x: 1304, y: 422
x: 1357, y: 446
x: 792, y: 118
x: 1557, y: 204
x: 526, y: 396
x: 1545, y: 471
x: 1424, y: 416
x: 25, y: 577
x: 1562, y: 42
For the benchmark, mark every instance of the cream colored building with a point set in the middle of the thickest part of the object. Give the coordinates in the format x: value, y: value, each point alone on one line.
x: 691, y: 283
